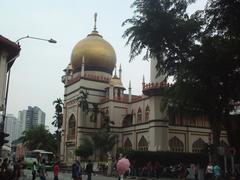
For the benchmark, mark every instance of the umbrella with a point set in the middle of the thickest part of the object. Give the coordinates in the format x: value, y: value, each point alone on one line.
x: 123, y: 165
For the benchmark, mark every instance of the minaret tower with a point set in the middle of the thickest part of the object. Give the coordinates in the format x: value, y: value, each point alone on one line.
x: 158, y: 132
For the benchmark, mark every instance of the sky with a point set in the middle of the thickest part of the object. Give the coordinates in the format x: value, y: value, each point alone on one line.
x: 36, y: 74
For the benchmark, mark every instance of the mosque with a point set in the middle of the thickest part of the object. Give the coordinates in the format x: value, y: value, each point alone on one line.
x: 138, y: 121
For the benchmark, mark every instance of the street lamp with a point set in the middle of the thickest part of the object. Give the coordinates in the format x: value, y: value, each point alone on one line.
x: 8, y: 78
x: 30, y: 37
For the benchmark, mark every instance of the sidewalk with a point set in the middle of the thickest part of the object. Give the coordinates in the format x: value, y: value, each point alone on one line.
x: 67, y: 176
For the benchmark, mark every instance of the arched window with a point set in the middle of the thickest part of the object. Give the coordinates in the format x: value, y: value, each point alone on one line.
x: 71, y: 127
x: 127, y: 120
x: 139, y: 115
x: 176, y: 145
x: 143, y: 144
x: 198, y: 145
x: 127, y: 144
x: 147, y: 113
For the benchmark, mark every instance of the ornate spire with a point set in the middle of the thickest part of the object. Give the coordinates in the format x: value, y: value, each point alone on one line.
x: 120, y: 72
x: 143, y: 81
x: 129, y: 92
x: 95, y: 22
x: 129, y: 86
x: 115, y: 75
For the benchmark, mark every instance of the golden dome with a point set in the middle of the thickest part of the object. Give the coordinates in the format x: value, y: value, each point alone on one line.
x: 98, y: 54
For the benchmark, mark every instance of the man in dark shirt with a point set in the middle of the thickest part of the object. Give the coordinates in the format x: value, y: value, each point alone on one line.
x: 89, y: 169
x: 76, y: 170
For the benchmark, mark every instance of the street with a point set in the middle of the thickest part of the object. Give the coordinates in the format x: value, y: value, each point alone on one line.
x: 67, y: 176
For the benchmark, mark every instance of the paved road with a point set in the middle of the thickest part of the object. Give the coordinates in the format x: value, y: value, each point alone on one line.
x: 67, y: 176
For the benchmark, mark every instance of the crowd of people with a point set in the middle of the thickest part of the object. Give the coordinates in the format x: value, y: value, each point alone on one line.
x: 10, y: 170
x: 180, y: 171
x: 122, y: 168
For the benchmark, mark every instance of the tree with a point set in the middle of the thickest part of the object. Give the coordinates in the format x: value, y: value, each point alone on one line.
x: 58, y: 120
x: 165, y: 30
x: 103, y: 142
x: 83, y: 101
x: 58, y: 117
x: 223, y: 20
x: 223, y: 17
x: 202, y: 58
x: 85, y: 149
x: 39, y: 138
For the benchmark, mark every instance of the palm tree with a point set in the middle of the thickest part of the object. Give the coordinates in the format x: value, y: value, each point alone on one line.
x: 83, y: 102
x: 58, y: 120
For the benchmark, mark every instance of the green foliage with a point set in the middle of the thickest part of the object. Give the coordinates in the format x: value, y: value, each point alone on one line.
x: 58, y: 120
x: 39, y: 138
x: 85, y: 149
x: 166, y: 158
x: 83, y: 102
x: 223, y: 16
x: 165, y: 29
x: 103, y: 142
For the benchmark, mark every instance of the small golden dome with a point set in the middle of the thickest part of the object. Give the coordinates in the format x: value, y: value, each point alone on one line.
x: 98, y: 54
x: 116, y: 82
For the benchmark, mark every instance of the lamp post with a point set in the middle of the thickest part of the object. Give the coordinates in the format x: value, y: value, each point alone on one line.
x: 37, y: 38
x: 8, y: 79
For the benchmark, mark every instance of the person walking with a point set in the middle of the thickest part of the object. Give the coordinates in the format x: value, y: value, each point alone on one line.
x: 216, y: 172
x: 191, y: 172
x: 76, y: 171
x: 34, y: 170
x: 42, y: 170
x: 55, y: 170
x: 89, y: 170
x: 209, y: 171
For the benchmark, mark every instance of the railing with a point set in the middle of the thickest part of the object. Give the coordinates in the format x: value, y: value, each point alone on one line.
x: 156, y: 85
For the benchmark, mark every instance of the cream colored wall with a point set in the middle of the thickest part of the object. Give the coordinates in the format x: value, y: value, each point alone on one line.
x: 156, y: 131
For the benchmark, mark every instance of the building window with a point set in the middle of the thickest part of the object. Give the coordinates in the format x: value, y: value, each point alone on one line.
x: 147, y: 113
x: 198, y: 146
x: 176, y: 145
x: 71, y: 127
x: 127, y: 144
x: 139, y: 115
x: 127, y: 120
x: 143, y: 144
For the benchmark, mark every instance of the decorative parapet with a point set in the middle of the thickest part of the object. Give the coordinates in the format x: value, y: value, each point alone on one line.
x: 121, y: 99
x: 154, y: 88
x: 97, y: 78
x: 156, y: 85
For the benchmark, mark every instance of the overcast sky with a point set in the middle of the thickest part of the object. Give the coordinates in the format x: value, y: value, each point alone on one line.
x: 36, y: 74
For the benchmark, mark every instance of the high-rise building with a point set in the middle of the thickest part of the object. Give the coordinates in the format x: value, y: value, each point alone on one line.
x: 13, y: 127
x: 31, y: 117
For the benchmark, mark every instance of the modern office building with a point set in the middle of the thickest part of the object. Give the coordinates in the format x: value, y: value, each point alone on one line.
x: 31, y: 117
x: 13, y: 127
